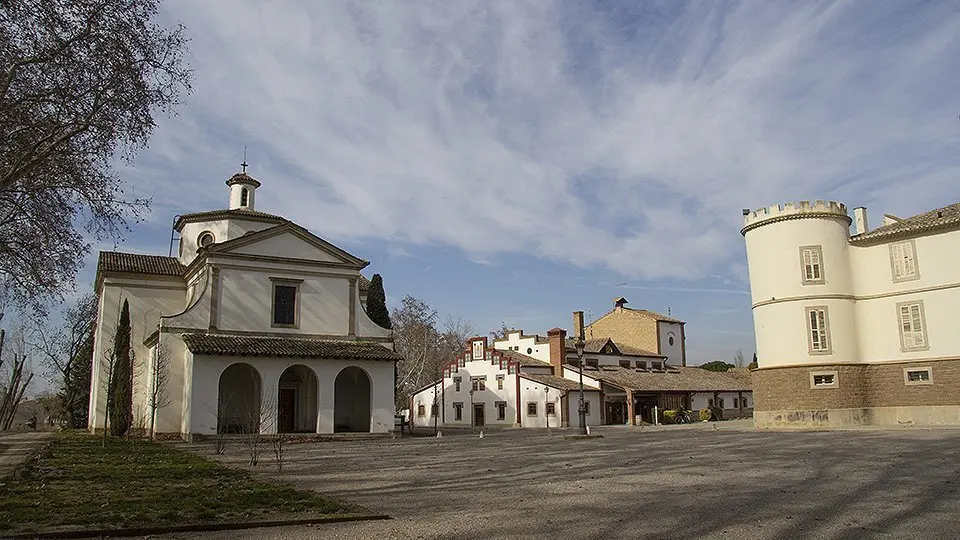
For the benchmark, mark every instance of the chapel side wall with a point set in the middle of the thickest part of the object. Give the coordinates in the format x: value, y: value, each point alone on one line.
x: 148, y: 300
x: 426, y: 398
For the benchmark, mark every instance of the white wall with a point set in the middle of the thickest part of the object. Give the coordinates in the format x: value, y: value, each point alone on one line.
x: 426, y: 397
x: 701, y: 400
x: 525, y: 345
x: 532, y: 392
x: 674, y: 353
x: 488, y: 397
x: 148, y: 300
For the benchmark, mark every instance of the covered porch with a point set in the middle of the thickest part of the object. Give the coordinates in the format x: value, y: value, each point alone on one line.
x: 281, y: 385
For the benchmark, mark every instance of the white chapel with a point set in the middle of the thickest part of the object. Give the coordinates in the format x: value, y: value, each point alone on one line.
x: 259, y: 323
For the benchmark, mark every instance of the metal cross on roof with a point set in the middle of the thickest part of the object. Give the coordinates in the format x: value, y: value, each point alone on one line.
x: 244, y: 164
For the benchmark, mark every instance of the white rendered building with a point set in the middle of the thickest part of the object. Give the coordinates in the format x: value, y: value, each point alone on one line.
x: 854, y: 329
x: 261, y: 325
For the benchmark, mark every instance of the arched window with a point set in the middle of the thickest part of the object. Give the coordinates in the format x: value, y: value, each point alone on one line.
x: 205, y: 239
x: 244, y: 196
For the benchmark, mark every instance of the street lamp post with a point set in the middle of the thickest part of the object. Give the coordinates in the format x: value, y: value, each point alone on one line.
x: 471, y: 407
x: 546, y: 409
x: 435, y: 409
x: 582, y: 409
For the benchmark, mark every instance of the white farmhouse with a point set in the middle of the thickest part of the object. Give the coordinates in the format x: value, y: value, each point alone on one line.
x: 854, y: 329
x: 527, y: 380
x: 259, y: 323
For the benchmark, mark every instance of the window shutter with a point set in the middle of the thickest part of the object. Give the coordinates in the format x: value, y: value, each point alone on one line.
x: 815, y: 263
x: 909, y: 261
x: 899, y: 262
x: 906, y: 327
x: 808, y: 264
x: 822, y: 320
x: 917, y: 325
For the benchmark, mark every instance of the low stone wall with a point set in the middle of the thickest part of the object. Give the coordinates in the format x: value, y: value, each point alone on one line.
x: 865, y: 394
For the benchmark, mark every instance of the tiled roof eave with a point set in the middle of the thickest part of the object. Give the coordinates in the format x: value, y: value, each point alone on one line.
x: 880, y: 236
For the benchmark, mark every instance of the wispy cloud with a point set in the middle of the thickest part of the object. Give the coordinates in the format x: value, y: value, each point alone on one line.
x: 634, y: 134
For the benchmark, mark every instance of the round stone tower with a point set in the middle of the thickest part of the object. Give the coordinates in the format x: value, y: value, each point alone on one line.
x: 798, y: 259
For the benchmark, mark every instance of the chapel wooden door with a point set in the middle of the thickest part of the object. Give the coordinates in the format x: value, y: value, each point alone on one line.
x: 286, y: 410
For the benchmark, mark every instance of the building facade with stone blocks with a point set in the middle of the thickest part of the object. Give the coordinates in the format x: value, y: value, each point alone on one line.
x: 854, y: 328
x: 641, y: 329
x: 256, y: 324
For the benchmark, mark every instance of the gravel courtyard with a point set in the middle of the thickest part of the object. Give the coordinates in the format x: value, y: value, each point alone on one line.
x: 677, y: 482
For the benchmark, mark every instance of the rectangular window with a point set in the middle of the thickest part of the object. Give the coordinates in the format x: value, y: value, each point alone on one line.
x: 736, y: 403
x: 434, y: 410
x: 285, y: 302
x: 478, y: 383
x: 710, y: 402
x: 903, y: 261
x: 642, y: 364
x: 818, y: 330
x: 501, y: 410
x: 721, y: 403
x: 421, y: 410
x: 811, y: 263
x: 499, y: 382
x: 625, y: 364
x: 531, y: 408
x: 551, y: 409
x: 586, y: 407
x: 823, y: 379
x: 912, y: 376
x: 456, y: 384
x: 913, y: 327
x: 458, y: 411
x: 591, y: 362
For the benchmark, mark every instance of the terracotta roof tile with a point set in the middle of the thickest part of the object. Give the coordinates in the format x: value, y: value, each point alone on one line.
x: 136, y: 263
x: 683, y: 379
x: 239, y: 213
x: 595, y: 346
x: 941, y: 218
x: 224, y: 345
x: 558, y: 382
x: 522, y: 359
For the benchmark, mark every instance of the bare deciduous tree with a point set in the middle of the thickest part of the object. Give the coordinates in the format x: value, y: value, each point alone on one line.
x: 259, y: 418
x: 738, y: 360
x: 13, y: 391
x: 64, y: 347
x: 80, y: 81
x: 158, y: 397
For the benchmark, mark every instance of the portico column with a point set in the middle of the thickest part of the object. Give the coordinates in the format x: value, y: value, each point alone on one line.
x: 269, y: 395
x: 632, y: 419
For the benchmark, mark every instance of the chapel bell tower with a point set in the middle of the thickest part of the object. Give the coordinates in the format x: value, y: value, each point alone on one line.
x: 242, y: 191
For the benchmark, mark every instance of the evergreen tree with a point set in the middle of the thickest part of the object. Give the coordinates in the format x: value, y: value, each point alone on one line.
x: 753, y: 365
x: 716, y: 365
x: 75, y: 394
x: 377, y: 303
x: 121, y: 387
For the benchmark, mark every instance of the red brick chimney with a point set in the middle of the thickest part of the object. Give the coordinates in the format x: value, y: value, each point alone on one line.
x: 556, y: 337
x: 577, y: 324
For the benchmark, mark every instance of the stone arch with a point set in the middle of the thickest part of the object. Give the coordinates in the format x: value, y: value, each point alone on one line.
x: 352, y: 401
x: 239, y: 406
x: 297, y: 400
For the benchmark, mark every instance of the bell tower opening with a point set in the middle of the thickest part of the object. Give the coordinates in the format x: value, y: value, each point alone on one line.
x: 243, y: 189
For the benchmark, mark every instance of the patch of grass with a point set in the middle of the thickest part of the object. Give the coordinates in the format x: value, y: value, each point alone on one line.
x: 79, y: 484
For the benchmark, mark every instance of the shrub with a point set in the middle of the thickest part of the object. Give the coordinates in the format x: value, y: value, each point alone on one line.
x: 706, y: 415
x: 669, y: 417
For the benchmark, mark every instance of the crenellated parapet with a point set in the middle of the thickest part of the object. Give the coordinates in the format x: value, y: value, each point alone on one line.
x: 790, y: 210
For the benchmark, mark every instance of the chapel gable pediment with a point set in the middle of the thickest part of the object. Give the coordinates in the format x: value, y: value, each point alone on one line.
x: 287, y: 241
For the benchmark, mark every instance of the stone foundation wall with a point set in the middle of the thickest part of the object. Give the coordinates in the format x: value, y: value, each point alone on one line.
x: 865, y: 394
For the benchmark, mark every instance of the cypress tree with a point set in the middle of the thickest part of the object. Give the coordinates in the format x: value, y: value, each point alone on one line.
x: 121, y: 387
x: 377, y: 303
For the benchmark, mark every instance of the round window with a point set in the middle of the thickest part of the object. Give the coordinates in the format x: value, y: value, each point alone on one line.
x: 529, y: 350
x: 205, y: 239
x: 670, y: 341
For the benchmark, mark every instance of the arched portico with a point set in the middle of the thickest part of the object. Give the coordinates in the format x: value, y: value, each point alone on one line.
x: 239, y: 407
x: 352, y: 401
x: 297, y: 400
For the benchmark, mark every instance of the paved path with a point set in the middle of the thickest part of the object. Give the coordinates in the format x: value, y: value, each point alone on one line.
x: 669, y: 483
x: 16, y: 447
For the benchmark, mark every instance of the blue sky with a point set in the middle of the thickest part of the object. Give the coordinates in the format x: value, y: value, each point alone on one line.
x: 515, y: 161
